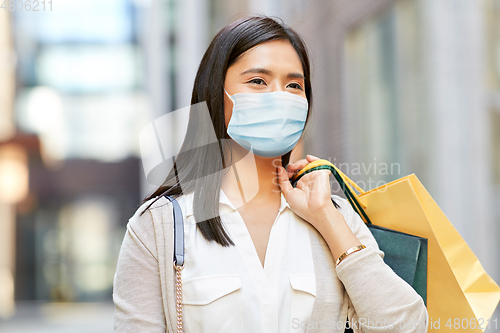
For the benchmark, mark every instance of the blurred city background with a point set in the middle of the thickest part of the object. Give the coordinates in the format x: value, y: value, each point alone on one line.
x: 412, y: 83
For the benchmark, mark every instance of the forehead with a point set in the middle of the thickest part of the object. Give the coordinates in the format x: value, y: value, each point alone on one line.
x: 278, y: 55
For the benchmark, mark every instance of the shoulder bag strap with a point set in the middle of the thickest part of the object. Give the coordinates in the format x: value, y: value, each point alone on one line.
x: 178, y: 260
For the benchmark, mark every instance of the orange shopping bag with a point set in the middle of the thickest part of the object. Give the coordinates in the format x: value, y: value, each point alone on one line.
x: 460, y: 295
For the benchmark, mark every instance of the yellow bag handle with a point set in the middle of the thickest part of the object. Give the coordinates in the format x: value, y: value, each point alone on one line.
x: 349, y: 182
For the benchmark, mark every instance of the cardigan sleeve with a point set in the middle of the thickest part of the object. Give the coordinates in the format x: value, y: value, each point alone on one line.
x: 136, y: 288
x: 379, y: 300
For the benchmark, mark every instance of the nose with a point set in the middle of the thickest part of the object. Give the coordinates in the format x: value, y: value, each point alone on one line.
x: 277, y: 86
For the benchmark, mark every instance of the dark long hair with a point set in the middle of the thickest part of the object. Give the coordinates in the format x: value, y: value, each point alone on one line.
x: 198, y: 166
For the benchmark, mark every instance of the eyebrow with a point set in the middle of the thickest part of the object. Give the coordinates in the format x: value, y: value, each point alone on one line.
x: 268, y: 72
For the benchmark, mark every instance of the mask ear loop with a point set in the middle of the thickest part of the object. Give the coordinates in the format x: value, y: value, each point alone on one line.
x: 230, y: 97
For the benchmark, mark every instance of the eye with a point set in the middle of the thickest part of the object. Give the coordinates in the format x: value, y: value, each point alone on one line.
x: 257, y: 81
x: 295, y: 85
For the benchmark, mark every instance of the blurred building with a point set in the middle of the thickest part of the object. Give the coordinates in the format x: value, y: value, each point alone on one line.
x: 406, y: 82
x: 13, y: 169
x: 72, y: 103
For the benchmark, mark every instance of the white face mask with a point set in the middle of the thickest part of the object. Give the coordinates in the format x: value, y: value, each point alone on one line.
x: 267, y: 124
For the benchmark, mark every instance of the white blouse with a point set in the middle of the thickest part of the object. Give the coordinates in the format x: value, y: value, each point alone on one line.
x: 226, y: 289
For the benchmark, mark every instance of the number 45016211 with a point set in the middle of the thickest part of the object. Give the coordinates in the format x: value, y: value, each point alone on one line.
x: 26, y: 5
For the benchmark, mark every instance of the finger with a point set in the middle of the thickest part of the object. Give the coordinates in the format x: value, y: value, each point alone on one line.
x: 292, y: 168
x: 323, y: 177
x: 300, y: 164
x: 315, y: 181
x: 301, y: 185
x: 283, y: 181
x: 312, y: 158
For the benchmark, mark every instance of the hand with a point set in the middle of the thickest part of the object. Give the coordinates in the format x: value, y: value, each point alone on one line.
x: 311, y: 198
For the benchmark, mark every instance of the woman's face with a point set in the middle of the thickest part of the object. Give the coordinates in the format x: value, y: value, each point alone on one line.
x: 267, y: 67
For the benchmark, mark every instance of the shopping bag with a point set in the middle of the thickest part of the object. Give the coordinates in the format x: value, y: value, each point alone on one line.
x: 405, y: 254
x: 460, y: 295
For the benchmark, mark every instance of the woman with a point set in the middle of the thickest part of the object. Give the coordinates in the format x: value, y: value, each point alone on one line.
x: 260, y: 255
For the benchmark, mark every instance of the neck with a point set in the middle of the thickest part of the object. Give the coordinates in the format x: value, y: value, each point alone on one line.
x: 250, y: 178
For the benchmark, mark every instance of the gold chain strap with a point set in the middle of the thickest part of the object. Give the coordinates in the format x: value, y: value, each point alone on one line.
x: 178, y: 296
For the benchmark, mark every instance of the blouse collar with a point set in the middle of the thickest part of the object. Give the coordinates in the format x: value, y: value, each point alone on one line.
x: 225, y: 204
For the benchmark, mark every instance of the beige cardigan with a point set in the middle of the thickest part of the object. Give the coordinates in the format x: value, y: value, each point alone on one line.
x: 362, y: 287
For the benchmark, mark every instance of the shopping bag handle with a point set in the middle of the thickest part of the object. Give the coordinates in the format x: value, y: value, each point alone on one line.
x: 344, y: 182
